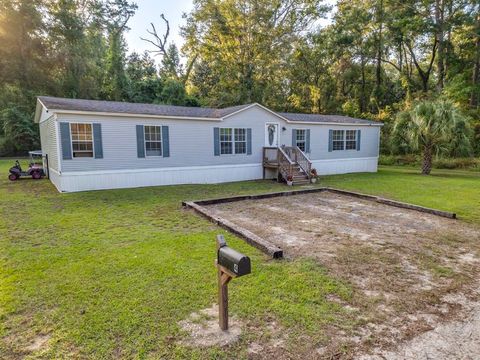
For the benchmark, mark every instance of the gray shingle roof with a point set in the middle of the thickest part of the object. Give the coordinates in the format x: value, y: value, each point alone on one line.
x: 55, y: 103
x: 135, y: 108
x: 336, y: 119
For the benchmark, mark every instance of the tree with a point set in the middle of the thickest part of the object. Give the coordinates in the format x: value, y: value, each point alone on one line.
x: 170, y: 67
x: 16, y: 125
x: 431, y: 127
x: 144, y: 85
x: 475, y: 93
x: 249, y: 43
x: 173, y: 93
x: 115, y: 80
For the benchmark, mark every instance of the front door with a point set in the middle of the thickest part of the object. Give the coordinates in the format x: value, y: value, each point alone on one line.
x: 271, y: 135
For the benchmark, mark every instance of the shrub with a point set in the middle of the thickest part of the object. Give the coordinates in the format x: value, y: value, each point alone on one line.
x: 470, y: 163
x: 457, y: 163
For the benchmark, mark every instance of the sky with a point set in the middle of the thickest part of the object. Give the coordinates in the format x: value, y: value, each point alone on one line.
x: 149, y: 11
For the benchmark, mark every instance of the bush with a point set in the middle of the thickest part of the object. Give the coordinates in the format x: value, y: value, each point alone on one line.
x: 457, y: 163
x: 470, y: 163
x: 400, y: 160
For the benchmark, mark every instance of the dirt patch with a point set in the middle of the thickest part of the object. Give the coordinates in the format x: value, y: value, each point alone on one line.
x: 38, y: 343
x: 203, y: 330
x: 449, y: 340
x: 401, y: 263
x: 271, y: 344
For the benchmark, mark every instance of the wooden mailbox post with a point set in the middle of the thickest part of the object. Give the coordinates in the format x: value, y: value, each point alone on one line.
x: 230, y: 264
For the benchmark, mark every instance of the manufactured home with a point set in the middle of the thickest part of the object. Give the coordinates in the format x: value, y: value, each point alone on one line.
x: 93, y: 145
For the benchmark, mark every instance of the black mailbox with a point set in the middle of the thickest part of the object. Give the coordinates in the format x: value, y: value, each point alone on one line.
x: 233, y: 261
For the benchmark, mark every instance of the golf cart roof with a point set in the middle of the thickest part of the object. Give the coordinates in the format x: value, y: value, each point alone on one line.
x: 36, y: 153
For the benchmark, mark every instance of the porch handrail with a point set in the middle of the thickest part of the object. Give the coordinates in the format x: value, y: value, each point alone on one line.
x: 300, y: 158
x: 285, y: 164
x: 304, y: 162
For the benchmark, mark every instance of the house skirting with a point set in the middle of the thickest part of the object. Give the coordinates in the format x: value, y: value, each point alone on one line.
x: 344, y: 166
x: 118, y: 179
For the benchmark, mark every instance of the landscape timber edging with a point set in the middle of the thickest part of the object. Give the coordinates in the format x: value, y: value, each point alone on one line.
x: 252, y: 239
x: 273, y: 250
x: 395, y: 203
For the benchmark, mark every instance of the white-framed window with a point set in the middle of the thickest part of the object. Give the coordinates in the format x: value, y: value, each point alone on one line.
x: 301, y: 139
x: 233, y: 141
x: 226, y: 141
x: 153, y: 140
x: 351, y: 140
x: 240, y: 141
x: 338, y: 140
x: 344, y: 140
x: 82, y: 140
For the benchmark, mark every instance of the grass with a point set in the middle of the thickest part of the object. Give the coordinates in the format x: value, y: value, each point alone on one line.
x: 450, y: 190
x: 110, y: 274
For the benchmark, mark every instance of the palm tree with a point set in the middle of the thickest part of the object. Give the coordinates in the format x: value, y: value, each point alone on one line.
x: 431, y: 127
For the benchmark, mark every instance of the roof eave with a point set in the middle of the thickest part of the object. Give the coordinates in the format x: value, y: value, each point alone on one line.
x: 151, y: 116
x: 333, y: 123
x: 38, y: 110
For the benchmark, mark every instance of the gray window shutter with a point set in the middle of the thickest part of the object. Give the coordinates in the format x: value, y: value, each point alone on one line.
x: 140, y: 142
x: 165, y: 142
x: 330, y: 140
x: 249, y: 141
x: 97, y: 141
x: 65, y: 140
x: 294, y: 137
x: 307, y: 141
x: 358, y: 139
x: 216, y: 141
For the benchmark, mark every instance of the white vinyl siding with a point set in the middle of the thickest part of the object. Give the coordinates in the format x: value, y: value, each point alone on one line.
x: 192, y: 143
x: 153, y: 140
x: 48, y: 138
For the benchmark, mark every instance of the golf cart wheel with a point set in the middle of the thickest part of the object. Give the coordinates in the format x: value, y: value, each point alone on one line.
x: 12, y: 177
x: 36, y: 175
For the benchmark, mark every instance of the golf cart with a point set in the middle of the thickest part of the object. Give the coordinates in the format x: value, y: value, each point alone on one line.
x: 35, y: 167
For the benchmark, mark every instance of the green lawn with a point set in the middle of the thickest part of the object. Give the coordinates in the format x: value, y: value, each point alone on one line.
x: 110, y: 274
x: 450, y: 190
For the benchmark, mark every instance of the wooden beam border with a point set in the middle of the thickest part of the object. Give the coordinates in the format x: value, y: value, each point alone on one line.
x: 273, y: 250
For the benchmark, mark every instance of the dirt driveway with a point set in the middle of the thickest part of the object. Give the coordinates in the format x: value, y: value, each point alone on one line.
x: 403, y: 264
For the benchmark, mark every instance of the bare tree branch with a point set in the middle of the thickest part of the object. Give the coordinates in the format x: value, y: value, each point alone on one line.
x: 160, y: 42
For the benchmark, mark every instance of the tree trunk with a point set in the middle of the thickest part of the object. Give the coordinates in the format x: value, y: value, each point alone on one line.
x: 378, y: 70
x: 424, y: 75
x: 427, y: 160
x: 363, y: 105
x: 439, y: 22
x: 448, y: 46
x: 474, y: 97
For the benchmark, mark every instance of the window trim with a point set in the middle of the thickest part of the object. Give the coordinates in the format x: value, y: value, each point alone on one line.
x: 344, y: 140
x: 240, y: 142
x: 304, y: 139
x: 232, y: 141
x: 160, y: 141
x: 338, y: 141
x: 355, y: 135
x: 71, y: 140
